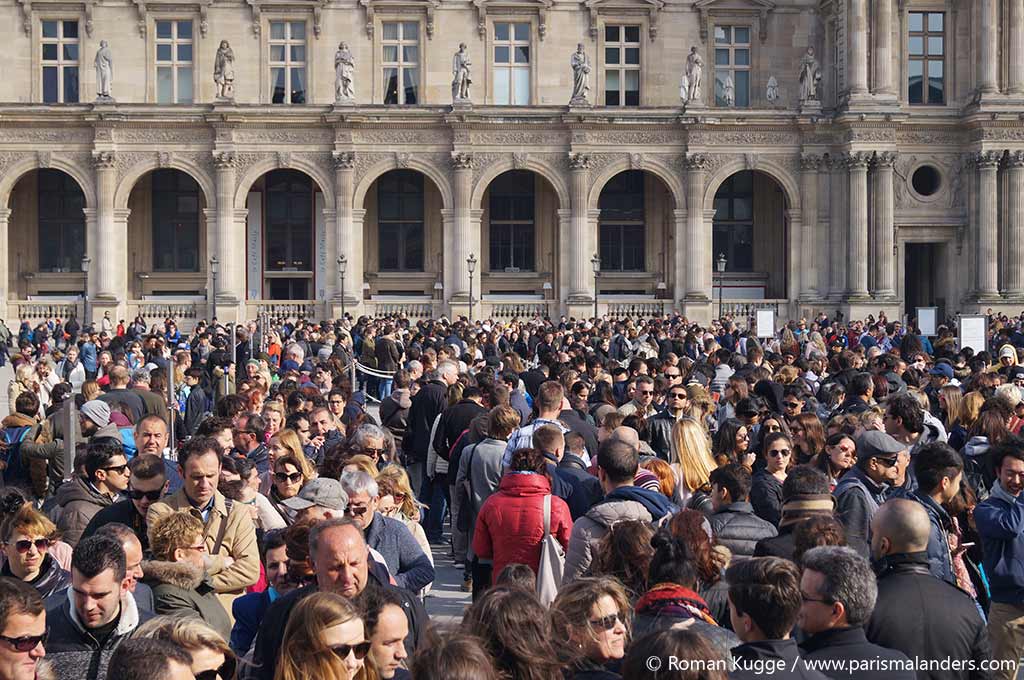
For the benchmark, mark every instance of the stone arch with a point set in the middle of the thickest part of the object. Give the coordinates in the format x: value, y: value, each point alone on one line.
x: 262, y: 167
x: 13, y: 174
x: 374, y: 172
x: 767, y: 166
x: 139, y: 170
x: 555, y: 179
x: 652, y: 164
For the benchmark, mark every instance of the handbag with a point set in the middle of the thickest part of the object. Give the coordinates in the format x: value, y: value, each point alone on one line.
x: 552, y: 561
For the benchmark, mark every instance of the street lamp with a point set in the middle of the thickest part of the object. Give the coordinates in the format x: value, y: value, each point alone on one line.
x: 342, y: 266
x: 214, y: 264
x: 471, y: 267
x: 86, y: 261
x: 595, y: 262
x: 721, y: 262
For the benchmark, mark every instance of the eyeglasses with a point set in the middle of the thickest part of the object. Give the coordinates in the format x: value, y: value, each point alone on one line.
x: 887, y: 462
x: 360, y: 650
x: 225, y: 672
x: 782, y: 453
x: 119, y: 469
x: 399, y: 497
x: 283, y: 477
x: 374, y: 453
x: 25, y: 643
x: 645, y: 392
x: 137, y: 495
x: 606, y: 622
x: 356, y: 511
x: 677, y: 395
x: 24, y: 545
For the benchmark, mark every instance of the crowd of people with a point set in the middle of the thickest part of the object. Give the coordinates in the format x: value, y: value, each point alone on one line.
x: 626, y: 498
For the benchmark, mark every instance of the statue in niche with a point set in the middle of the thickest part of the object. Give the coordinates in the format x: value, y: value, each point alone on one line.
x: 580, y: 76
x: 461, y: 75
x: 810, y: 77
x: 729, y: 91
x: 773, y: 91
x: 694, y: 75
x: 344, y: 74
x: 224, y: 71
x: 104, y: 63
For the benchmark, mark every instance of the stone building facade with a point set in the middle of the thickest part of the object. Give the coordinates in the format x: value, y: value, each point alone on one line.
x: 898, y: 183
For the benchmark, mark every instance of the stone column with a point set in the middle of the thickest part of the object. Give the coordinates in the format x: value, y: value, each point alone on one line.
x: 883, y: 48
x: 837, y: 226
x: 463, y: 239
x: 857, y: 252
x: 581, y: 289
x: 230, y: 238
x: 1013, y: 283
x: 1015, y: 75
x: 884, y: 226
x: 698, y: 271
x: 682, y: 255
x: 857, y: 41
x: 987, y: 229
x: 348, y: 235
x: 988, y: 48
x: 108, y: 268
x: 809, y: 164
x: 5, y: 218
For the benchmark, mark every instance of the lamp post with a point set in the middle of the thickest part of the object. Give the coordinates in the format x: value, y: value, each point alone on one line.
x: 595, y: 262
x: 342, y: 266
x: 86, y: 261
x: 471, y: 267
x: 214, y: 263
x: 721, y: 262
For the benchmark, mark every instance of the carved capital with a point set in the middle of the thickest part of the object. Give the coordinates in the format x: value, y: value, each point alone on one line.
x: 885, y: 159
x: 811, y: 162
x: 44, y: 158
x: 284, y: 159
x: 102, y: 160
x: 224, y: 160
x: 988, y: 159
x: 402, y: 160
x: 694, y: 162
x: 344, y: 160
x: 636, y: 161
x: 857, y: 160
x: 579, y: 161
x: 462, y: 161
x: 1015, y: 159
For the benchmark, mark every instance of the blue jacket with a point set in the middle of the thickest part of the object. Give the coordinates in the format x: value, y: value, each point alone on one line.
x: 857, y: 501
x: 88, y: 355
x: 940, y: 563
x: 248, y: 611
x: 404, y: 556
x: 1000, y: 522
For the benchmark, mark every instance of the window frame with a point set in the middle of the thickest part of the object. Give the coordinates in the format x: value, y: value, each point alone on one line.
x: 289, y: 271
x: 63, y: 222
x: 622, y: 221
x: 622, y: 44
x: 60, y: 64
x: 401, y: 42
x: 924, y: 58
x: 175, y: 221
x: 492, y: 45
x: 515, y: 226
x: 174, y: 64
x: 731, y: 223
x: 288, y: 65
x: 732, y: 68
x: 404, y: 223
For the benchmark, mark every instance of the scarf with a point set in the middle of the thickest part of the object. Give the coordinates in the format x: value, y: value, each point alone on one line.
x: 669, y: 599
x: 804, y: 506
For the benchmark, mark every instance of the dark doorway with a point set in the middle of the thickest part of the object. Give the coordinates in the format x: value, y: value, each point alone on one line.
x: 288, y: 258
x: 921, y: 264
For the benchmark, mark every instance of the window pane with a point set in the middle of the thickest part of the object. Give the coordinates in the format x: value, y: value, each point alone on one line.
x: 298, y: 86
x: 721, y: 57
x: 163, y: 52
x: 298, y: 53
x: 185, y: 85
x: 916, y: 21
x: 298, y: 29
x: 277, y: 53
x: 164, y: 30
x: 632, y: 55
x: 632, y: 81
x: 390, y: 86
x: 501, y: 86
x: 915, y: 92
x: 611, y: 80
x: 935, y: 21
x: 521, y: 86
x: 410, y: 30
x: 522, y: 54
x: 50, y: 84
x: 390, y: 31
x: 916, y: 45
x: 71, y: 52
x: 185, y: 30
x: 70, y: 29
x: 184, y: 52
x: 409, y: 82
x: 50, y: 51
x: 410, y: 54
x: 742, y: 83
x: 611, y: 55
x: 522, y: 31
x: 611, y: 34
x: 935, y: 46
x: 936, y: 86
x: 70, y: 84
x: 49, y: 29
x: 632, y: 34
x: 391, y: 54
x: 741, y: 35
x: 501, y: 31
x: 742, y: 57
x: 720, y: 87
x: 414, y: 248
x: 277, y: 84
x: 277, y: 30
x: 501, y: 54
x: 723, y: 35
x: 165, y: 85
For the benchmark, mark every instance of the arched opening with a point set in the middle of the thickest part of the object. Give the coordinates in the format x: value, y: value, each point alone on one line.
x: 167, y: 235
x: 633, y: 232
x: 519, y: 224
x: 403, y: 235
x: 290, y: 200
x: 749, y: 231
x: 47, y: 235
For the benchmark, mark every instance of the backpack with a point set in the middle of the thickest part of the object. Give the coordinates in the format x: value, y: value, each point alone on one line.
x: 15, y: 472
x: 128, y: 441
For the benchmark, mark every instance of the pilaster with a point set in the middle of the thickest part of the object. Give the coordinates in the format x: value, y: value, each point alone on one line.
x: 987, y: 229
x: 581, y: 286
x: 698, y: 236
x: 1013, y: 278
x: 229, y: 244
x: 5, y: 219
x: 348, y: 233
x: 857, y: 271
x: 884, y: 226
x: 809, y: 257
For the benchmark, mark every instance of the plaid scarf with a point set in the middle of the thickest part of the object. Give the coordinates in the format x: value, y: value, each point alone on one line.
x: 804, y: 506
x: 669, y: 599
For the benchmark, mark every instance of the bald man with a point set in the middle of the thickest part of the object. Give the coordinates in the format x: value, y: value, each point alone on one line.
x: 917, y: 613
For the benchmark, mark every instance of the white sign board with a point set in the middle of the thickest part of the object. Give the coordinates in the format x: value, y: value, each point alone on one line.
x: 974, y: 332
x: 765, y: 321
x: 927, y: 320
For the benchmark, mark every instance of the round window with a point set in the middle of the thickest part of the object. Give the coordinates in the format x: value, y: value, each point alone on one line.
x: 926, y: 180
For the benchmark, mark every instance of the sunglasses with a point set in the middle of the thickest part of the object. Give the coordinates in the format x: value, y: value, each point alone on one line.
x: 782, y: 453
x: 24, y: 545
x: 356, y: 511
x: 606, y: 622
x: 26, y: 643
x: 283, y: 477
x: 119, y: 469
x: 676, y: 395
x: 887, y: 462
x: 360, y: 650
x: 645, y: 392
x: 374, y: 453
x: 791, y: 404
x: 225, y: 672
x: 137, y: 495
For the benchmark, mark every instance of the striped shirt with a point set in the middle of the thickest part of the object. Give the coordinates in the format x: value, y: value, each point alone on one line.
x: 523, y: 438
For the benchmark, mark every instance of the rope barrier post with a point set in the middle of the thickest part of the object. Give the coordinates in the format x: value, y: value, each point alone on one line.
x: 234, y: 356
x: 172, y: 415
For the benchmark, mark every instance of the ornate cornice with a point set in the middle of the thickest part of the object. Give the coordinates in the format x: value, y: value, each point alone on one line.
x: 885, y: 159
x: 987, y: 159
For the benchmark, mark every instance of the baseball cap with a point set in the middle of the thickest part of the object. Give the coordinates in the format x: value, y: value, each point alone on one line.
x: 876, y: 444
x: 322, y: 491
x: 943, y: 369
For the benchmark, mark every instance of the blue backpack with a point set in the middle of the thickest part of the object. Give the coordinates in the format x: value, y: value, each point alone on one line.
x: 128, y: 442
x: 15, y: 471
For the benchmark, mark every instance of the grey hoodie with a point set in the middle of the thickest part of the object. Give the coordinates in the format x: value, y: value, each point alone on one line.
x: 588, y: 531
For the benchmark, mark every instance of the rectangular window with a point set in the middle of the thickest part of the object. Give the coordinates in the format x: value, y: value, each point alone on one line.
x: 622, y: 65
x: 61, y: 222
x: 511, y: 216
x: 732, y: 63
x: 400, y: 221
x: 511, y: 63
x: 927, y: 49
x: 60, y: 61
x: 175, y: 222
x: 733, y: 225
x: 401, y: 60
x: 288, y: 62
x: 174, y: 62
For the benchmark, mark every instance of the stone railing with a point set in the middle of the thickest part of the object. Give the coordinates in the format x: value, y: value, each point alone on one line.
x: 291, y: 309
x: 411, y: 310
x: 182, y: 311
x: 741, y: 310
x: 506, y: 311
x: 637, y: 308
x: 36, y: 311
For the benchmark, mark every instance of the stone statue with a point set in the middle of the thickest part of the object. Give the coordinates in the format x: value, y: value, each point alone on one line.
x: 684, y: 88
x: 344, y: 72
x: 580, y: 77
x: 224, y: 71
x: 729, y: 91
x: 460, y: 71
x: 694, y: 74
x: 810, y: 77
x: 773, y: 90
x: 104, y: 71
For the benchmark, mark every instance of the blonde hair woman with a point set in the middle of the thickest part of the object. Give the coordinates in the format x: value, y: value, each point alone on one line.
x: 212, y: 659
x: 593, y: 615
x: 324, y: 640
x: 692, y: 461
x: 273, y: 413
x: 284, y: 443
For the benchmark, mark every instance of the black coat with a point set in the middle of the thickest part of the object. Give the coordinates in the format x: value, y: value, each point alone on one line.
x: 925, y: 617
x: 121, y: 512
x: 660, y: 426
x: 850, y: 644
x: 576, y: 423
x: 454, y: 422
x: 766, y: 497
x: 739, y: 529
x: 752, y: 660
x: 426, y: 405
x: 586, y: 488
x: 782, y: 545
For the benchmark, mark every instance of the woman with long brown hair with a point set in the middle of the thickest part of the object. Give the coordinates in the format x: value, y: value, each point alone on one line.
x: 593, y: 615
x: 324, y: 640
x: 808, y: 437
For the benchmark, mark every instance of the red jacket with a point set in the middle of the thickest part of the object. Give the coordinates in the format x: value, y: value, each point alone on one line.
x: 510, y: 526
